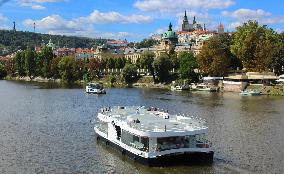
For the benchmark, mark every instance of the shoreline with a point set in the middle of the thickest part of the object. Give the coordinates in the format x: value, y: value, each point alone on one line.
x: 276, y: 90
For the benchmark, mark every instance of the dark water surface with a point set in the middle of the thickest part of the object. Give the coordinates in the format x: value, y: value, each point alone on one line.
x: 50, y: 130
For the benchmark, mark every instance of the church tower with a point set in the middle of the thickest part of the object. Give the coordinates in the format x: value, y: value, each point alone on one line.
x: 220, y: 28
x: 185, y: 23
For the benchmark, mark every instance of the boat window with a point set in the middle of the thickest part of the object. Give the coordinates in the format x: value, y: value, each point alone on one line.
x: 140, y: 143
x: 167, y: 143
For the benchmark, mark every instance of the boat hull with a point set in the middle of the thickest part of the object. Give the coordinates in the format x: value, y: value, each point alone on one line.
x: 88, y: 92
x: 165, y: 160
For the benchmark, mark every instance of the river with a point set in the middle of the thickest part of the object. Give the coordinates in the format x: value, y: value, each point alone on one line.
x: 50, y: 130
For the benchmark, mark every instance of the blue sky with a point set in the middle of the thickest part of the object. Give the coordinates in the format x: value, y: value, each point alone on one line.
x: 134, y: 19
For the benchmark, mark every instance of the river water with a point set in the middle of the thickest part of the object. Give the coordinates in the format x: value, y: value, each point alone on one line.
x: 50, y: 130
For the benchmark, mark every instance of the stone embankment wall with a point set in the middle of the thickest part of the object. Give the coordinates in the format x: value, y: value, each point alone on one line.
x: 229, y: 86
x: 36, y: 79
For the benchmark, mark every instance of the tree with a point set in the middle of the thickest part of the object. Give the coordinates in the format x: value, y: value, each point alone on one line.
x: 278, y: 59
x: 3, y: 72
x: 46, y: 56
x: 129, y: 73
x: 20, y: 63
x: 162, y: 66
x: 146, y: 61
x: 67, y: 69
x: 215, y: 56
x: 254, y: 45
x: 93, y: 67
x: 187, y: 65
x: 119, y: 63
x: 110, y: 63
x: 30, y: 62
x: 146, y: 43
x: 175, y: 60
x: 54, y: 68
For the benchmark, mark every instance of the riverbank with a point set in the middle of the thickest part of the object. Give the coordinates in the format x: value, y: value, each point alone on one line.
x: 277, y: 90
x: 144, y: 82
x: 35, y: 79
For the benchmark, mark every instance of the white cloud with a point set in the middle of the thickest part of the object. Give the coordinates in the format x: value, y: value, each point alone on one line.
x: 234, y: 25
x: 117, y: 35
x: 83, y: 26
x: 39, y: 1
x: 178, y: 5
x: 53, y: 23
x: 241, y: 16
x: 246, y: 14
x: 273, y: 20
x: 37, y: 4
x: 278, y: 30
x: 114, y: 17
x: 3, y: 18
x: 3, y: 22
x: 38, y: 7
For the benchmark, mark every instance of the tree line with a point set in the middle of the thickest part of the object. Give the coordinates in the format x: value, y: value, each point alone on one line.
x: 252, y: 47
x: 15, y: 40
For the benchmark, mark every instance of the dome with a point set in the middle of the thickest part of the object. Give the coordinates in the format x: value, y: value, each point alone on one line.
x: 170, y: 33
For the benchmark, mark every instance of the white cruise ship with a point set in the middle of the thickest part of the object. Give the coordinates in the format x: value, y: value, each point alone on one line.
x: 154, y: 137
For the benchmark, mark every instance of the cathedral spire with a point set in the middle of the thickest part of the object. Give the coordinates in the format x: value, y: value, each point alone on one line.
x: 194, y: 20
x: 185, y: 14
x: 170, y: 27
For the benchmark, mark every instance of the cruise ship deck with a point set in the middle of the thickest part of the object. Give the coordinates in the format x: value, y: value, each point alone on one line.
x: 154, y: 120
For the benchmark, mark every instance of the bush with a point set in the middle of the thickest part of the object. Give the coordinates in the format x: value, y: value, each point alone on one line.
x: 3, y: 72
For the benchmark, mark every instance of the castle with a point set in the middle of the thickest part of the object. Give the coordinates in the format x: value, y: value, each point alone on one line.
x: 186, y: 26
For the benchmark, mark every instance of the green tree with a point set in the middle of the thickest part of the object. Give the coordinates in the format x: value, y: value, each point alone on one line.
x: 3, y: 72
x: 54, y: 68
x: 119, y: 63
x: 175, y: 60
x: 187, y: 65
x: 67, y: 69
x: 30, y: 62
x: 255, y: 46
x: 278, y: 59
x: 103, y: 63
x: 146, y: 61
x: 46, y: 56
x: 129, y: 73
x: 215, y: 56
x: 93, y: 67
x: 20, y: 63
x: 110, y: 63
x: 146, y: 43
x: 162, y: 66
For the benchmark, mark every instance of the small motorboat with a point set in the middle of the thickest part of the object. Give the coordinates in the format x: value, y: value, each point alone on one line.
x: 95, y: 88
x: 249, y: 93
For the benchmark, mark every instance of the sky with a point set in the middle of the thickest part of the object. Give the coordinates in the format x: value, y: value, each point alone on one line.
x: 134, y: 19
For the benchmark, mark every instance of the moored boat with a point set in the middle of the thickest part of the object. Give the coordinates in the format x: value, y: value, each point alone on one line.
x: 153, y: 137
x: 95, y: 88
x: 204, y: 87
x: 250, y: 93
x: 180, y: 88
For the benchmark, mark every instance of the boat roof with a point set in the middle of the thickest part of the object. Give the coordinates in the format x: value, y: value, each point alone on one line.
x: 154, y: 120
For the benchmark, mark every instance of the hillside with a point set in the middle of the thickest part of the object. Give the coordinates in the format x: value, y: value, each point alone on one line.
x: 14, y: 40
